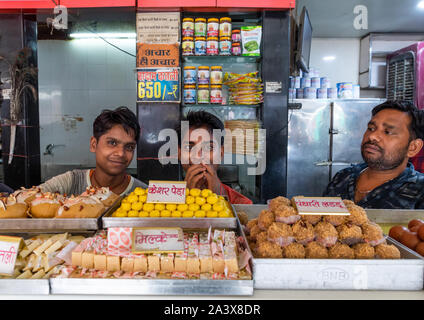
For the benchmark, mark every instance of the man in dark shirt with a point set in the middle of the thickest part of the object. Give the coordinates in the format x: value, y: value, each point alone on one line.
x: 386, y: 180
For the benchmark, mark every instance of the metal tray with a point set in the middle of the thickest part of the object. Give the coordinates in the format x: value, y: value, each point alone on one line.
x: 406, y: 273
x: 151, y: 287
x: 197, y: 223
x: 24, y: 286
x: 33, y: 224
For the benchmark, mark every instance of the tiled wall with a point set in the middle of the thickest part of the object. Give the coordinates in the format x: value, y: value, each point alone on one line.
x: 77, y: 80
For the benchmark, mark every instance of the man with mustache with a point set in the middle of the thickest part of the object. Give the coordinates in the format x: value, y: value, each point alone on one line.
x: 387, y: 179
x: 115, y: 136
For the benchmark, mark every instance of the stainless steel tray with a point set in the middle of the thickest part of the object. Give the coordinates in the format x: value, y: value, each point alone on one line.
x: 33, y: 224
x: 406, y: 273
x: 24, y: 286
x: 197, y: 223
x: 151, y: 287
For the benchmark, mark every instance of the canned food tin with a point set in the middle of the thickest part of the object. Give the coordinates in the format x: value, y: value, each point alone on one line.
x: 203, y: 94
x: 188, y: 27
x: 344, y: 90
x: 189, y: 94
x: 203, y: 75
x: 216, y: 75
x: 292, y: 93
x: 212, y: 46
x: 309, y: 93
x: 225, y: 46
x: 216, y: 94
x: 331, y: 93
x: 225, y: 27
x: 315, y: 82
x: 200, y: 46
x: 356, y: 91
x: 213, y: 27
x: 325, y: 83
x: 189, y: 75
x: 322, y: 93
x: 188, y: 46
x: 296, y: 82
x: 299, y: 93
x: 200, y: 27
x: 305, y: 82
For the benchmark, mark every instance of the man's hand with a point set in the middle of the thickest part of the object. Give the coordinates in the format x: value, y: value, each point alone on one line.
x: 212, y: 180
x: 195, y: 176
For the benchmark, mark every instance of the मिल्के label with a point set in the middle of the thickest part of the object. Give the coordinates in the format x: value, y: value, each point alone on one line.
x: 157, y: 240
x: 166, y: 192
x: 9, y: 248
x: 320, y: 205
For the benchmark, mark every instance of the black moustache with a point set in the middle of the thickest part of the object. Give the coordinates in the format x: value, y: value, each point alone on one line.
x: 373, y: 144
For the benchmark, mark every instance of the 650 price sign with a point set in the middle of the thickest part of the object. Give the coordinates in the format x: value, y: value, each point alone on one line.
x: 158, y: 85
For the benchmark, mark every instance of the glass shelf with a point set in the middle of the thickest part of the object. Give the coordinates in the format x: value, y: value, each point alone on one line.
x: 232, y: 59
x: 205, y: 105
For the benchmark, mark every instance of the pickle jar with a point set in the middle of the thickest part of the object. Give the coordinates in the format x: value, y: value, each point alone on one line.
x: 200, y: 27
x: 212, y: 46
x: 188, y: 27
x: 189, y: 94
x: 236, y: 36
x: 202, y: 94
x: 216, y: 75
x: 225, y: 27
x: 189, y: 75
x: 224, y: 46
x: 213, y: 27
x: 216, y: 94
x: 203, y: 75
x: 188, y: 46
x: 236, y: 49
x: 200, y: 46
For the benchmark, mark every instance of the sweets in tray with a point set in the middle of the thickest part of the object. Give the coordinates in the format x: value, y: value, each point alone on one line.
x: 216, y: 255
x: 199, y: 204
x: 280, y: 232
x: 44, y: 255
x: 33, y: 203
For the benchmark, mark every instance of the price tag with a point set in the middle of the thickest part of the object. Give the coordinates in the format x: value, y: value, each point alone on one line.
x: 166, y: 192
x: 9, y: 248
x: 158, y: 85
x: 157, y: 240
x: 321, y: 205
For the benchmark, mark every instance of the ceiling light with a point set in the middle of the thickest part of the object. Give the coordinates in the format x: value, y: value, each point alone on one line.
x: 329, y: 58
x: 420, y: 5
x: 111, y: 35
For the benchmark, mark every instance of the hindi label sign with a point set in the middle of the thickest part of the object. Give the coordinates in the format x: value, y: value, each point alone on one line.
x: 158, y: 85
x: 158, y: 27
x: 321, y: 205
x: 157, y: 240
x: 9, y: 248
x: 166, y: 191
x: 157, y: 55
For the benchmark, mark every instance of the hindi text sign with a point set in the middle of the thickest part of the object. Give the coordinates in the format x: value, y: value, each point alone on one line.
x: 158, y: 55
x: 157, y: 240
x: 158, y: 85
x: 9, y: 248
x: 321, y: 205
x: 158, y: 27
x: 166, y: 191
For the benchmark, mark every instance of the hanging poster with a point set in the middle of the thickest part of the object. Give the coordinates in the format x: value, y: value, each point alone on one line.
x: 158, y: 27
x: 158, y: 85
x: 158, y: 55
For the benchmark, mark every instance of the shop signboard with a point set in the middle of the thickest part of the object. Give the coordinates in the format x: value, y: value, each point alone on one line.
x: 157, y: 55
x: 158, y: 85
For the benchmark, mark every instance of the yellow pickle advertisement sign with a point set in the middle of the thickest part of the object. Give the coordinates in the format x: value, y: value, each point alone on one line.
x: 158, y: 85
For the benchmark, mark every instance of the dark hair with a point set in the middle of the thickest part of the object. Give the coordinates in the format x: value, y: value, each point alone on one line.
x: 198, y: 119
x: 120, y: 116
x: 416, y: 127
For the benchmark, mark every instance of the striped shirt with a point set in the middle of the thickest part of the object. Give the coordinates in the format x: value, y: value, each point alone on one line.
x: 403, y: 192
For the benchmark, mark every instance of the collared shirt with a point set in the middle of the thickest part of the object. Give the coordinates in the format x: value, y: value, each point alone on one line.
x: 406, y: 191
x: 235, y: 197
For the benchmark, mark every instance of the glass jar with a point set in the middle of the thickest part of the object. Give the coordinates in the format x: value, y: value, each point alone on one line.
x: 188, y: 27
x: 212, y: 46
x: 216, y: 75
x: 189, y: 94
x: 188, y: 46
x: 225, y: 27
x: 200, y: 27
x: 224, y: 46
x: 200, y: 46
x: 216, y: 94
x: 236, y: 36
x: 203, y: 75
x: 203, y: 94
x: 236, y: 49
x: 189, y: 75
x: 213, y: 27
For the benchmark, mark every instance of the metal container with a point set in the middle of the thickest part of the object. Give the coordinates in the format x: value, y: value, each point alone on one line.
x: 24, y: 286
x: 197, y: 223
x: 337, y: 274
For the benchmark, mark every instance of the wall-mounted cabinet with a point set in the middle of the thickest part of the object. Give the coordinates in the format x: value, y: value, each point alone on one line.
x: 373, y: 51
